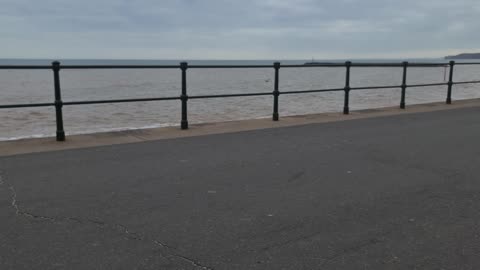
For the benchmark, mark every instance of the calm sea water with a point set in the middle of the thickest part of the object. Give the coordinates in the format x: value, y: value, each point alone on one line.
x: 34, y: 86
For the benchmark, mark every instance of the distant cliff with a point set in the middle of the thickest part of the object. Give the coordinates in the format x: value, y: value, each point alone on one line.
x: 464, y: 56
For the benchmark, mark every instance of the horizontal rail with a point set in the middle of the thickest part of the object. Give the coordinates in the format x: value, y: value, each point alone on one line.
x: 414, y: 64
x: 120, y: 66
x: 466, y: 82
x: 376, y: 87
x: 118, y: 100
x: 24, y: 67
x: 231, y: 95
x: 26, y: 105
x: 376, y: 64
x: 315, y: 65
x: 306, y: 65
x: 467, y: 63
x: 229, y: 66
x: 320, y: 64
x: 86, y: 102
x: 427, y: 84
x: 226, y: 95
x: 420, y: 65
x: 312, y: 91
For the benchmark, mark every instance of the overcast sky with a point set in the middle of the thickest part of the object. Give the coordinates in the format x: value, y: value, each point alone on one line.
x: 237, y: 29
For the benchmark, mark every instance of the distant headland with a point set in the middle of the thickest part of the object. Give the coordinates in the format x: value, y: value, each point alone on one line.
x: 464, y: 56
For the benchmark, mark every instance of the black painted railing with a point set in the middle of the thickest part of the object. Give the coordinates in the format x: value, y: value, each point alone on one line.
x: 58, y: 103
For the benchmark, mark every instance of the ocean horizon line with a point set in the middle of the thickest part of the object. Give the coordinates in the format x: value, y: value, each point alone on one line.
x: 219, y: 60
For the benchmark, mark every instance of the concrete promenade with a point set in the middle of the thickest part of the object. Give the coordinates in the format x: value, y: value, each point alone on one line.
x: 390, y: 192
x: 133, y: 136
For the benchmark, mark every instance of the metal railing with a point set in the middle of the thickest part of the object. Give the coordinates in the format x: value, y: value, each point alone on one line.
x: 184, y: 66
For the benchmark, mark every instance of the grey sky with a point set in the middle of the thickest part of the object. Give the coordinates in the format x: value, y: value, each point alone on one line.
x: 240, y: 29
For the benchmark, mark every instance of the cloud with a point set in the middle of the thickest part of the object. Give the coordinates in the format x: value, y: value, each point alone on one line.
x: 200, y: 29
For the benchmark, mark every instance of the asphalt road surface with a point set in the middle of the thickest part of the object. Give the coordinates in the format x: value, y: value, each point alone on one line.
x: 398, y: 192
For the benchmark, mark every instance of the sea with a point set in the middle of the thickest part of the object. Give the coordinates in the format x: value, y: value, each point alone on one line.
x: 36, y: 86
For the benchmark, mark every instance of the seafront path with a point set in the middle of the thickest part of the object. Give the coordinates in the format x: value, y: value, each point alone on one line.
x: 386, y: 192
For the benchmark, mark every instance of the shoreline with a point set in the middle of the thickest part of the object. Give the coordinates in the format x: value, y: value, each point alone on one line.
x: 87, y: 132
x: 46, y: 144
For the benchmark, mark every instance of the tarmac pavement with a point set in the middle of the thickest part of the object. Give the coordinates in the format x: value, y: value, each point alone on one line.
x: 394, y: 192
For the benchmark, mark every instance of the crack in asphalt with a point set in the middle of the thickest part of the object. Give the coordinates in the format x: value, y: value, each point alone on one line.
x: 193, y: 262
x: 117, y: 227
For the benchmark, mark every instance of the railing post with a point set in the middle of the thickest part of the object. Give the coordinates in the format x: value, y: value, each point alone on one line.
x: 276, y: 92
x: 346, y: 109
x: 450, y: 83
x: 404, y: 85
x: 184, y: 96
x: 58, y: 101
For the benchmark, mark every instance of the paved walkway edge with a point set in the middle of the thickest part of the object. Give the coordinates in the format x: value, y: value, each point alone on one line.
x: 8, y: 148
